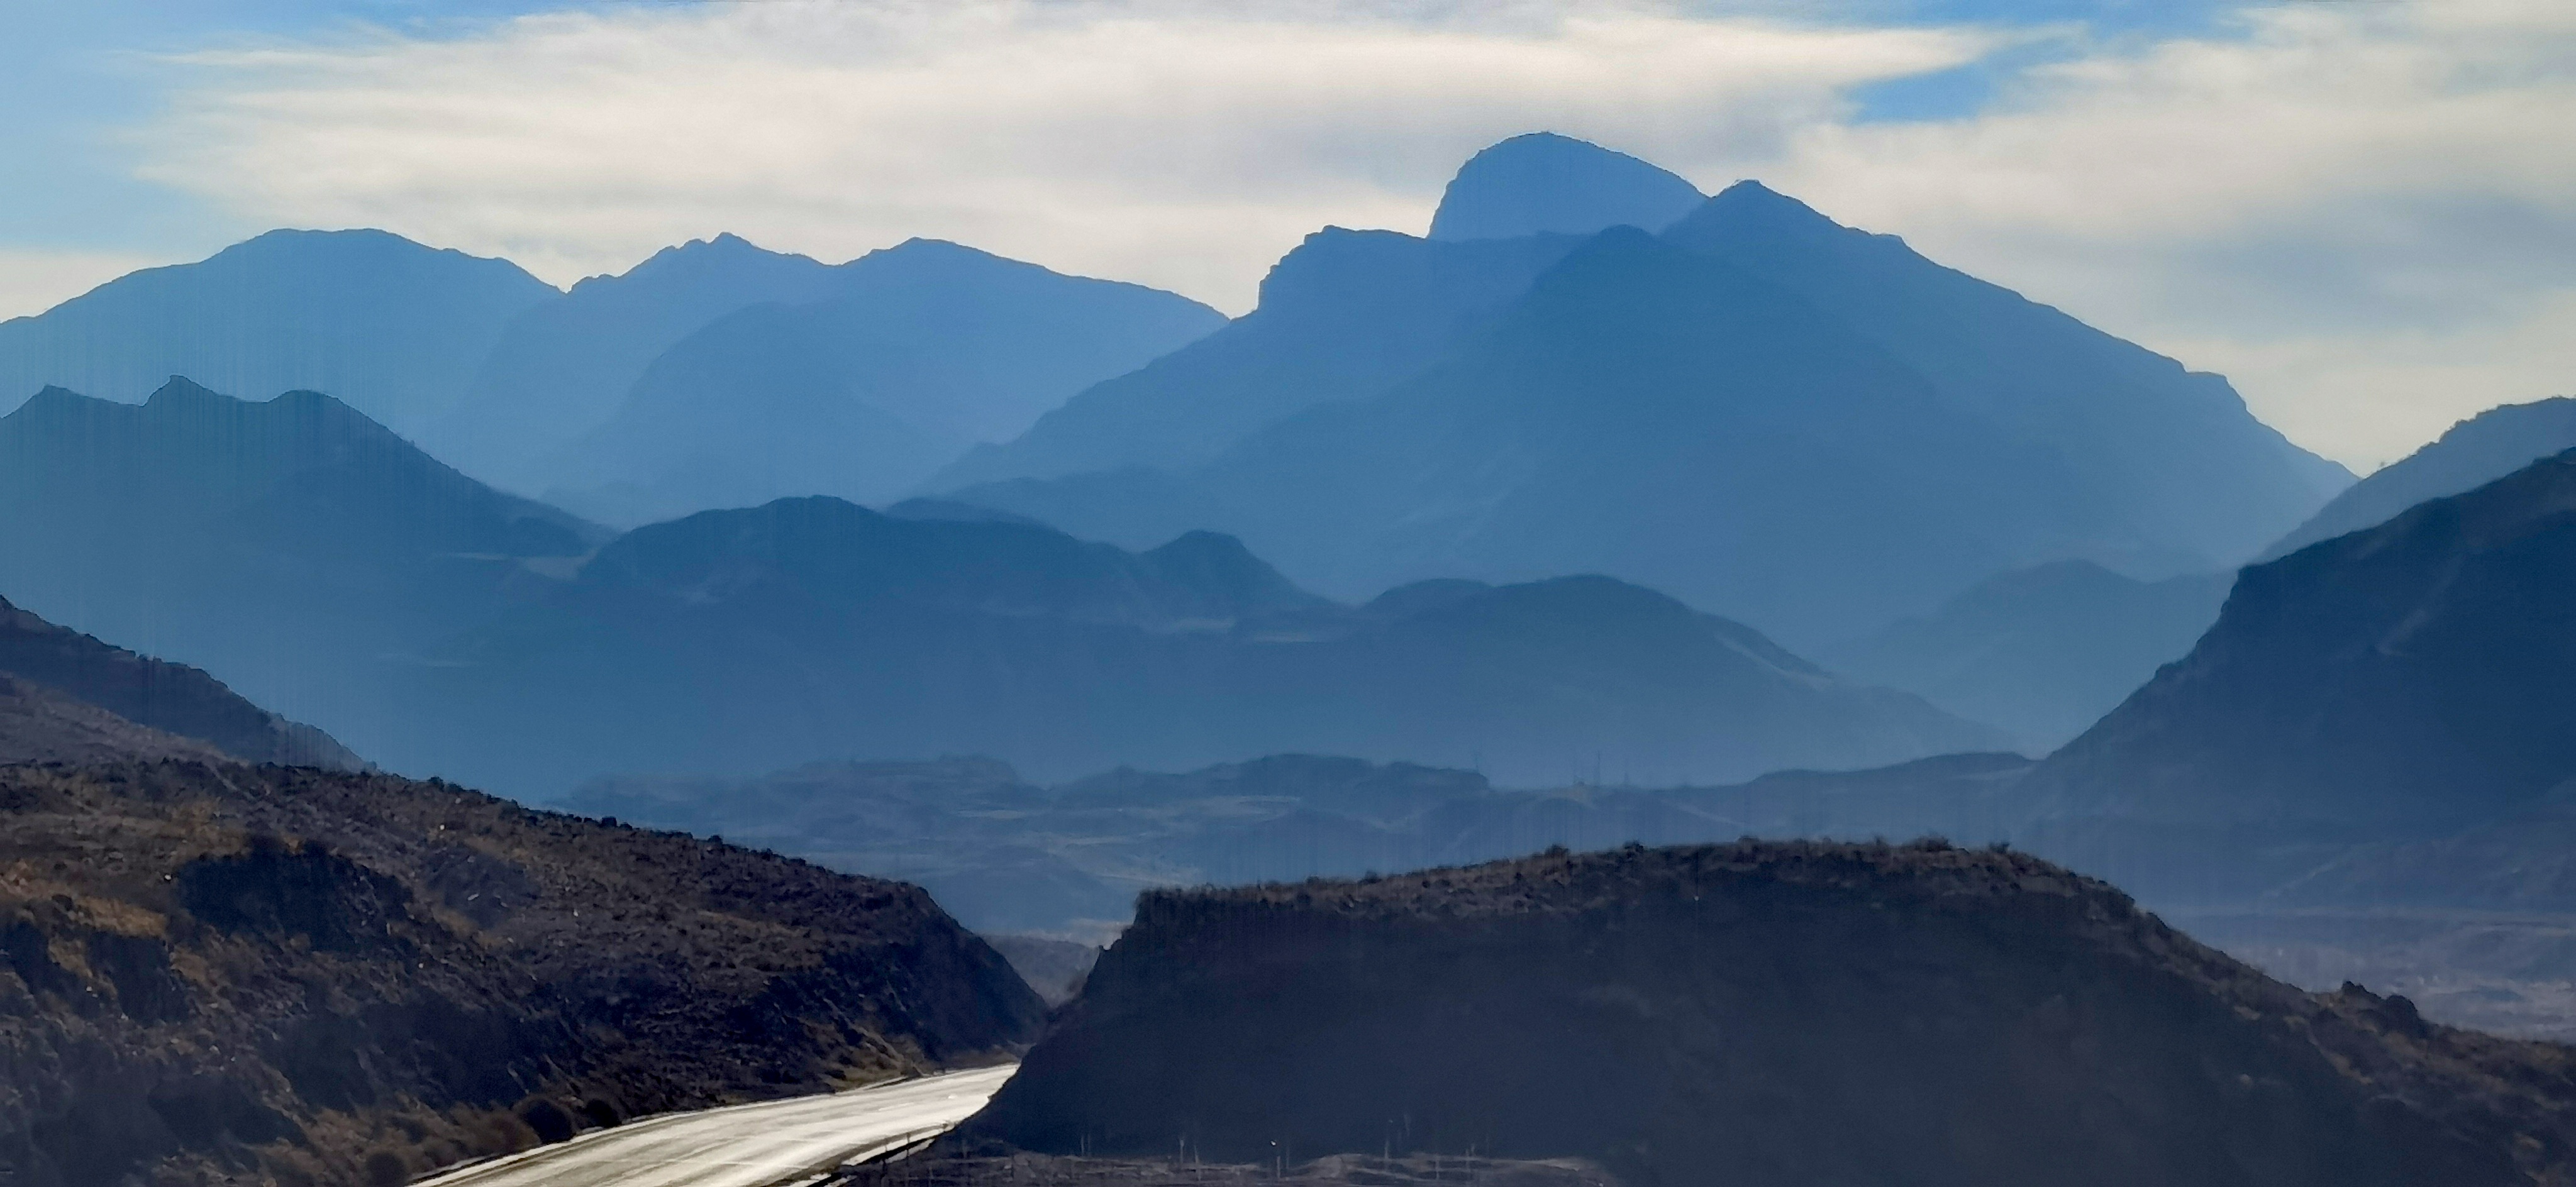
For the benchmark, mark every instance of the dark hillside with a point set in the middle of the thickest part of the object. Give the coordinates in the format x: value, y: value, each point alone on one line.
x: 172, y: 698
x: 1793, y: 1013
x: 2474, y: 452
x: 2404, y: 681
x: 45, y: 725
x: 268, y: 975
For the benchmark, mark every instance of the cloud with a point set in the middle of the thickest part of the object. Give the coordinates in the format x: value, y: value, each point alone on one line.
x: 2365, y: 212
x: 1180, y: 144
x: 35, y: 280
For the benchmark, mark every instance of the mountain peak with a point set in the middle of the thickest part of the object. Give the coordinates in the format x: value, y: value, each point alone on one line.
x: 1542, y: 182
x: 1750, y: 208
x: 181, y: 392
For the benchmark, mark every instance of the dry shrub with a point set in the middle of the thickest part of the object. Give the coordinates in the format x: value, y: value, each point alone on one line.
x: 387, y: 1167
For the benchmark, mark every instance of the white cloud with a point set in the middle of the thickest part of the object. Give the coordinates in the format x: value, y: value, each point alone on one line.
x: 35, y: 280
x: 2365, y: 212
x: 1179, y: 144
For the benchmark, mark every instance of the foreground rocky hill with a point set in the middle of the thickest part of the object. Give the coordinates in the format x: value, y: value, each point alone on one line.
x: 272, y: 975
x: 1791, y: 1013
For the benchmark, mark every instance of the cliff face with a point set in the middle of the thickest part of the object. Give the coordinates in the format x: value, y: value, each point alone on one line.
x: 1763, y: 1014
x: 296, y: 977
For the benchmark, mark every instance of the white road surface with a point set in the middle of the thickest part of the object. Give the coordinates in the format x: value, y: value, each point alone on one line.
x: 746, y: 1145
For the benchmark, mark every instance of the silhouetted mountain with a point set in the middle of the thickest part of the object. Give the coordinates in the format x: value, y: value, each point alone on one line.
x: 2043, y: 652
x: 1792, y: 423
x: 291, y: 976
x: 562, y: 368
x: 1346, y: 315
x: 1545, y: 184
x: 2400, y: 682
x: 2471, y: 454
x: 811, y: 628
x: 1763, y: 1014
x: 394, y: 328
x: 165, y: 697
x: 293, y: 547
x: 2171, y: 472
x: 908, y: 356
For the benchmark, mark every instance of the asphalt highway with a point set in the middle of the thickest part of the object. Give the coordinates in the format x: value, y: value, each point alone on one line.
x: 746, y: 1145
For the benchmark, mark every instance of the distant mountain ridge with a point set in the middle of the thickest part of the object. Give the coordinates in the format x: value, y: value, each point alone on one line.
x: 392, y: 327
x: 892, y: 365
x: 292, y: 546
x: 561, y: 369
x: 2471, y: 454
x: 812, y: 628
x: 1786, y: 421
x: 2043, y: 652
x: 1344, y: 316
x: 786, y: 376
x: 319, y: 563
x: 1545, y: 184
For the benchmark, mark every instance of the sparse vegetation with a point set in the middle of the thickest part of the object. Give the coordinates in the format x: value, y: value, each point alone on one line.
x: 295, y: 976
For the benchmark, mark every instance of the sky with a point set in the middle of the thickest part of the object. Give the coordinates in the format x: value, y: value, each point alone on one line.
x: 2362, y: 211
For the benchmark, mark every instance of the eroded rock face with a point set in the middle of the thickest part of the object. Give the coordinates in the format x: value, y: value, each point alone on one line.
x: 299, y: 977
x: 1763, y: 1014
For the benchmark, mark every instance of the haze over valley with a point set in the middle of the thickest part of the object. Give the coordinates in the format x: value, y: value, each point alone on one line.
x: 1652, y: 680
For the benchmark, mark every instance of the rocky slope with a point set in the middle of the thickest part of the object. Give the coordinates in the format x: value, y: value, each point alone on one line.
x: 162, y: 697
x: 288, y: 976
x: 2397, y: 683
x: 1765, y: 1014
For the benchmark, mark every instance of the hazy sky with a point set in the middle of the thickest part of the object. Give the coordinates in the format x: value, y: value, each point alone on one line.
x: 2363, y: 211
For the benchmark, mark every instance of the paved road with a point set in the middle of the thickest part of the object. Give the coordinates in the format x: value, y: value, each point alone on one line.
x: 746, y: 1145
